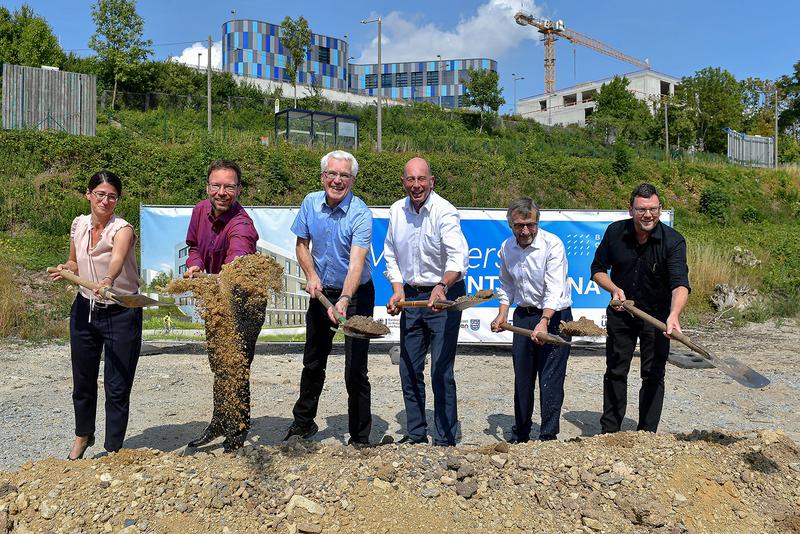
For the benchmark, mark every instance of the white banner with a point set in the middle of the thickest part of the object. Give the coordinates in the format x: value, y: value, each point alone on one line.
x: 163, y: 249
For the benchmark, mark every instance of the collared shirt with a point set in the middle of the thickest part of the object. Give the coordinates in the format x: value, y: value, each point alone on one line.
x: 333, y: 232
x: 535, y: 275
x: 215, y: 241
x: 646, y: 273
x: 421, y: 247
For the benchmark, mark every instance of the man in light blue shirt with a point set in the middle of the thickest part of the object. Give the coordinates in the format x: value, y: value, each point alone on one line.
x: 334, y: 232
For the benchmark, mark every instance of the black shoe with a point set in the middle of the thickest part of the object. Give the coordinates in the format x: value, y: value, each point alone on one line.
x: 358, y: 443
x: 89, y: 443
x: 234, y: 441
x: 208, y: 435
x: 304, y: 432
x: 413, y: 441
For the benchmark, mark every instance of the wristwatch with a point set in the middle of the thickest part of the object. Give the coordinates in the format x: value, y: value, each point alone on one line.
x: 444, y: 286
x: 546, y: 318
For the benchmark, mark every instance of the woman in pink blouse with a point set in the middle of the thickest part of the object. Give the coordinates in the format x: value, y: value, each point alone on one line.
x: 101, y: 249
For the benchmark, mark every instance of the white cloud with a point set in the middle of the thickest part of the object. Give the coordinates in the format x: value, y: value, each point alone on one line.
x: 489, y: 33
x: 189, y: 55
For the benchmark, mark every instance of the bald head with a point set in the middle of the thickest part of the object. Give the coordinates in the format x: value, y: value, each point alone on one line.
x: 418, y: 181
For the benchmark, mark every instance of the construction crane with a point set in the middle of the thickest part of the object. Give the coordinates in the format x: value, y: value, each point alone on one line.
x: 552, y: 30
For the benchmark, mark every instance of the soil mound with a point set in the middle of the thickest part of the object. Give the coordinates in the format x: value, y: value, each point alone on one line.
x: 628, y: 482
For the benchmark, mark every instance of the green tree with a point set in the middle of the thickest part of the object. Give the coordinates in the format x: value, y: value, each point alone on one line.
x: 482, y: 92
x: 619, y: 113
x: 119, y: 41
x: 714, y: 100
x: 27, y: 39
x: 296, y: 37
x: 789, y: 111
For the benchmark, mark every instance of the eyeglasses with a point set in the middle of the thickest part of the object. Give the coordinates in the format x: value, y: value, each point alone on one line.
x: 419, y: 179
x: 332, y: 175
x: 641, y: 211
x: 229, y: 188
x: 530, y: 226
x: 102, y: 195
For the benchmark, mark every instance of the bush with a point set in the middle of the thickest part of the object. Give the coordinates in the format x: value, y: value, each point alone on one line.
x: 751, y: 215
x: 715, y: 203
x: 623, y: 156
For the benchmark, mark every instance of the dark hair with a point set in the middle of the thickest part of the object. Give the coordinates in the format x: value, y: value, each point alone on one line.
x: 105, y: 177
x: 644, y: 190
x: 225, y: 164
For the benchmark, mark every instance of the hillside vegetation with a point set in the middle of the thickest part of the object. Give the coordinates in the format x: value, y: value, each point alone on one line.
x: 162, y: 157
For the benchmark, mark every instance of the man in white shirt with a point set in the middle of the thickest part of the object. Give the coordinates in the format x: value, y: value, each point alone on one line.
x: 533, y: 275
x: 426, y: 259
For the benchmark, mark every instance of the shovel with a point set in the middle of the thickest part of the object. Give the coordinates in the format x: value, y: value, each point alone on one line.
x: 547, y: 338
x: 129, y: 301
x: 460, y: 304
x: 342, y: 321
x: 732, y: 367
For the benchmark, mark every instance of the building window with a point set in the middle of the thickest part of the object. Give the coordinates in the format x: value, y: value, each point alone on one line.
x: 570, y: 100
x: 370, y: 81
x: 588, y: 96
x: 324, y: 55
x: 386, y: 80
x: 665, y: 88
x: 416, y: 79
x: 401, y: 79
x: 433, y: 77
x: 182, y: 269
x: 543, y: 105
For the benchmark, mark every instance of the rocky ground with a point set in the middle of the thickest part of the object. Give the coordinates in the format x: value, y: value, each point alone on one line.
x: 725, y: 459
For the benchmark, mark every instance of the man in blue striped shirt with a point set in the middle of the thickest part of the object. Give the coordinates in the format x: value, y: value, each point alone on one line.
x: 334, y: 232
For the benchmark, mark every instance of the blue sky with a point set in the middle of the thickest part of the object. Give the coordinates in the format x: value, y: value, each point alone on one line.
x: 679, y: 37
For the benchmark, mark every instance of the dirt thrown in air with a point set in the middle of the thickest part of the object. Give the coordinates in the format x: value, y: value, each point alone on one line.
x: 366, y: 325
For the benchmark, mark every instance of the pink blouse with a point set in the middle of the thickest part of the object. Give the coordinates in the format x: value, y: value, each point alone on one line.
x: 93, y: 262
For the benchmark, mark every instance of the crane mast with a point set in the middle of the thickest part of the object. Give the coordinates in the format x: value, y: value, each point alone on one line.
x: 552, y: 30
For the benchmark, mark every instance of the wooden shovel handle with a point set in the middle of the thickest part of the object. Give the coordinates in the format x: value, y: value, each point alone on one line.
x: 527, y: 332
x: 66, y: 274
x: 328, y: 305
x: 424, y: 303
x: 631, y: 308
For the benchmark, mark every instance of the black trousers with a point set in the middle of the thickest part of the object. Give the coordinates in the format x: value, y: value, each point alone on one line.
x: 623, y: 331
x: 232, y: 369
x: 117, y: 331
x: 319, y: 341
x: 549, y: 363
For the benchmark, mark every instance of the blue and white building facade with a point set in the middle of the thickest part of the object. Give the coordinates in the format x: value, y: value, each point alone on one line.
x: 253, y: 49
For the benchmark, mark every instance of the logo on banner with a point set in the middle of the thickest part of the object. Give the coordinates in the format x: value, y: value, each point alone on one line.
x: 475, y: 324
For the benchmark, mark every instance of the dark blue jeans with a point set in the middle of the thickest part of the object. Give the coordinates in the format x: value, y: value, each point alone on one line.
x: 549, y: 363
x: 421, y: 329
x: 117, y: 331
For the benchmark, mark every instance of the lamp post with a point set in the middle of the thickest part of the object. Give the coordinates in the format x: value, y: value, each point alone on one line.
x: 515, y: 77
x: 198, y: 60
x: 380, y: 84
x: 439, y: 77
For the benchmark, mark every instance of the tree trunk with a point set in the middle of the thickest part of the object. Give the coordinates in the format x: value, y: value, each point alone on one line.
x: 114, y: 94
x: 480, y: 130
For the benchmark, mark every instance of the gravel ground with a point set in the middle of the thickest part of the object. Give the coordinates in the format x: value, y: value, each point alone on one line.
x: 171, y: 400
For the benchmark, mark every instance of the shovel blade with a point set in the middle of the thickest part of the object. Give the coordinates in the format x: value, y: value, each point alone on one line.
x: 744, y: 374
x: 136, y: 301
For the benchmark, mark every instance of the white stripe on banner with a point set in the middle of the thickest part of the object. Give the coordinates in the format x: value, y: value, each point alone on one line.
x: 163, y: 249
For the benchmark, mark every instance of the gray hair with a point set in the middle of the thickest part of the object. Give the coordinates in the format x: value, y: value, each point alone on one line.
x: 340, y: 155
x: 524, y: 206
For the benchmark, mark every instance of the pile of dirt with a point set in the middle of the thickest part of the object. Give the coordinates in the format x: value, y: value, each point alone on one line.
x: 581, y: 327
x: 366, y: 325
x: 232, y: 306
x: 626, y: 482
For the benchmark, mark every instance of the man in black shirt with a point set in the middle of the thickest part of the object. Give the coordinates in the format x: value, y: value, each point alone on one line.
x: 648, y: 265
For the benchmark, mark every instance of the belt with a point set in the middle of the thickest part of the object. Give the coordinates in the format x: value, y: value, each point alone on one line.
x: 530, y: 309
x: 421, y: 289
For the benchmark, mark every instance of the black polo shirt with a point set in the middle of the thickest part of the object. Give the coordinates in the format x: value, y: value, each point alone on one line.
x: 646, y: 273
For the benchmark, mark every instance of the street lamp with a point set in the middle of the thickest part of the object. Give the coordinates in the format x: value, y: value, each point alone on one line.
x: 439, y: 77
x: 515, y: 77
x: 198, y: 60
x: 380, y: 84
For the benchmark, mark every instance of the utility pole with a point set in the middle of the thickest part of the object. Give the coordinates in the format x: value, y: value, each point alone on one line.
x: 776, y: 125
x: 380, y: 82
x: 209, y: 85
x: 666, y: 130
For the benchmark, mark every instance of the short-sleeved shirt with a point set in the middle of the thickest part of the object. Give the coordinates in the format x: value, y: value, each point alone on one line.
x: 333, y: 232
x: 215, y: 241
x: 649, y: 272
x: 94, y: 261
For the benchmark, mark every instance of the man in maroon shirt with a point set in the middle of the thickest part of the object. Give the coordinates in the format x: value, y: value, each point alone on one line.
x: 219, y: 231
